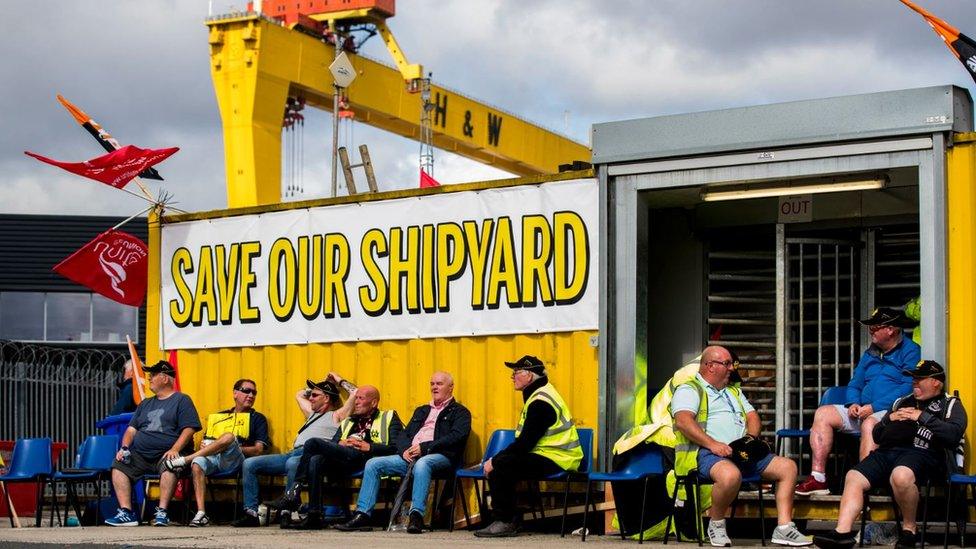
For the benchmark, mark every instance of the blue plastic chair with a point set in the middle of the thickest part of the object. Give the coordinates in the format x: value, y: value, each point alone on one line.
x: 833, y: 395
x: 92, y: 463
x: 967, y: 484
x: 641, y: 463
x: 586, y: 465
x: 31, y: 462
x: 499, y: 440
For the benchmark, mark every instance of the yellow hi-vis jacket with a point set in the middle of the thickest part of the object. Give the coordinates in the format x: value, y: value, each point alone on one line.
x: 379, y: 433
x: 661, y: 428
x: 686, y: 451
x: 561, y: 442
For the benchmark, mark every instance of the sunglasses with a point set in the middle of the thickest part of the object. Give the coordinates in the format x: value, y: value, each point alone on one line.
x: 247, y: 391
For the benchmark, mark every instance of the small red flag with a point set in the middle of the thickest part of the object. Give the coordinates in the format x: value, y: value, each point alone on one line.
x: 427, y: 181
x: 176, y: 378
x: 115, y: 264
x: 116, y: 168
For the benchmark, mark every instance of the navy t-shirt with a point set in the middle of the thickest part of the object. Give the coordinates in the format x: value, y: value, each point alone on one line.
x: 158, y: 424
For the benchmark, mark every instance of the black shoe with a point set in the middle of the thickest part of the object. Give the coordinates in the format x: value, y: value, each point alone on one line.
x: 416, y: 523
x: 358, y: 523
x: 246, y: 521
x: 835, y: 540
x: 498, y: 529
x: 907, y: 540
x: 312, y: 521
x: 288, y: 501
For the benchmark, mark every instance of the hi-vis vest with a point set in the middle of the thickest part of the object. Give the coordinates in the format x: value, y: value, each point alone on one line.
x: 660, y: 430
x: 561, y: 442
x: 379, y: 433
x: 685, y: 451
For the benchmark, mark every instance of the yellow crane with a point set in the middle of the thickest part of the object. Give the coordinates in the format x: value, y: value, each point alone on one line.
x: 261, y: 58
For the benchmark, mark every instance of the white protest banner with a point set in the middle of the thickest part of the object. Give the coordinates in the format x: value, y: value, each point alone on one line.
x: 498, y: 261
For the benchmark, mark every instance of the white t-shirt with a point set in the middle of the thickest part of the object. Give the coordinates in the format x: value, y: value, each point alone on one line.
x: 317, y: 426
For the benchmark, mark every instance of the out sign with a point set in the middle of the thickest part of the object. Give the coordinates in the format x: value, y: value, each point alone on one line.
x: 796, y: 209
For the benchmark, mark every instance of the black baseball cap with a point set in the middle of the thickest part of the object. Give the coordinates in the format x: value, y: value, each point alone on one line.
x: 530, y: 363
x: 886, y: 316
x: 927, y: 368
x: 326, y: 387
x: 161, y: 367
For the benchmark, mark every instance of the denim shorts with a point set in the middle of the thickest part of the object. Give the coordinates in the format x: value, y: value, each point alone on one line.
x: 707, y: 460
x: 228, y: 460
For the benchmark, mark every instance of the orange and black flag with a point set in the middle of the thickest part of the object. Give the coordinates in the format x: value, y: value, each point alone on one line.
x: 962, y: 46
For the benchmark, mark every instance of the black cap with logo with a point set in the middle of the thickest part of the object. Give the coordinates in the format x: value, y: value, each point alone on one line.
x: 886, y: 316
x: 530, y: 363
x: 326, y: 387
x: 161, y: 367
x: 927, y: 368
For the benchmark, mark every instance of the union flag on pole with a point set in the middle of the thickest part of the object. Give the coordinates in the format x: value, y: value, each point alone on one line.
x: 116, y: 168
x: 962, y: 46
x: 115, y: 264
x: 426, y: 181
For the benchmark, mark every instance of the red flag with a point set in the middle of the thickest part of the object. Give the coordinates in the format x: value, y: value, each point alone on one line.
x: 176, y: 378
x: 115, y: 264
x: 962, y: 46
x: 427, y: 181
x: 115, y: 168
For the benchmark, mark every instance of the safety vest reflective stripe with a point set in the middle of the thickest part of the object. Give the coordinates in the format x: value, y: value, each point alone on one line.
x: 560, y: 443
x: 382, y: 435
x: 685, y: 451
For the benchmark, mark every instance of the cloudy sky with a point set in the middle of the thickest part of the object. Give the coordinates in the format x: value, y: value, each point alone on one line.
x: 141, y: 69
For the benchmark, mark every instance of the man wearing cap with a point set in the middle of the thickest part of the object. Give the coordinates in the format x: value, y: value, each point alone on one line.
x: 711, y: 417
x: 231, y: 436
x: 432, y: 441
x: 366, y: 433
x: 160, y: 428
x: 546, y: 442
x: 917, y: 440
x: 876, y: 383
x: 321, y: 404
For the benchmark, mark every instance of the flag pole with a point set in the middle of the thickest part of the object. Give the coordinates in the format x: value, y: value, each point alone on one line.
x: 130, y: 218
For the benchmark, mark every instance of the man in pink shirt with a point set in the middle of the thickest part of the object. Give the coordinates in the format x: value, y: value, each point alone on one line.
x: 433, y: 441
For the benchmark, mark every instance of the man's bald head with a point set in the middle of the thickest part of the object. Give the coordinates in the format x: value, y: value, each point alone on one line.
x: 367, y: 399
x: 716, y: 365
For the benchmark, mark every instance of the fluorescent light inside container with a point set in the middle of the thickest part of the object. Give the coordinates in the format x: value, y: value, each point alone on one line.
x: 741, y: 193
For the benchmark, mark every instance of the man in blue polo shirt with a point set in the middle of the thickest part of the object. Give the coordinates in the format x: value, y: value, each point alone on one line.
x: 877, y: 382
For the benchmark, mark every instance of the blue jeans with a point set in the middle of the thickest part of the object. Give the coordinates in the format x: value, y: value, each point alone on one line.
x: 274, y: 464
x: 423, y: 469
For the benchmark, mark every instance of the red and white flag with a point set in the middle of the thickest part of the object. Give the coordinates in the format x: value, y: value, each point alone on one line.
x: 116, y: 168
x: 426, y: 181
x: 115, y: 264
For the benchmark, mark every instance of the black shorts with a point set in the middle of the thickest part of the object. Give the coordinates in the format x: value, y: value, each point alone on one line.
x: 878, y: 466
x: 139, y: 467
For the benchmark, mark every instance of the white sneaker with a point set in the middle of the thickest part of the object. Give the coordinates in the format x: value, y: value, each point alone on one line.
x: 717, y: 535
x: 787, y: 534
x: 200, y: 519
x: 175, y: 464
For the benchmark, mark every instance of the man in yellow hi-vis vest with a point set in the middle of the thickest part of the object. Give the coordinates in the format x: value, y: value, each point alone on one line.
x: 367, y: 433
x: 546, y: 442
x: 709, y: 414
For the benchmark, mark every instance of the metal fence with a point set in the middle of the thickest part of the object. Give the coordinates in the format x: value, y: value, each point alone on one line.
x: 56, y: 392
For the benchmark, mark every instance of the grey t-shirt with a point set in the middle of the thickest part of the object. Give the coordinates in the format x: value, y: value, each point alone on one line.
x: 158, y: 424
x: 317, y: 426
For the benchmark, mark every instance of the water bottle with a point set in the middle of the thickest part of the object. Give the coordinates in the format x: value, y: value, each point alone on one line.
x: 126, y: 455
x: 349, y: 387
x: 263, y: 514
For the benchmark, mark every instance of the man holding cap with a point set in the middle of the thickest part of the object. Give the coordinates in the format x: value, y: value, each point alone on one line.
x: 160, y: 428
x: 917, y: 441
x: 322, y: 407
x: 877, y: 382
x: 546, y: 442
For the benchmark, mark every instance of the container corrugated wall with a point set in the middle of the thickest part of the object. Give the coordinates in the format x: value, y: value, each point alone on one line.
x: 961, y: 276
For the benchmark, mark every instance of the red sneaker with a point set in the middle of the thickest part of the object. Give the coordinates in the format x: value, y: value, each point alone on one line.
x: 812, y: 487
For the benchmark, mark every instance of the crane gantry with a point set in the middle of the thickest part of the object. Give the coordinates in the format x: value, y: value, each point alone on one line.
x: 277, y: 50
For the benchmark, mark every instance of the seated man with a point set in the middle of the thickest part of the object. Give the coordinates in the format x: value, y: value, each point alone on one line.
x: 916, y: 441
x: 877, y: 382
x: 433, y: 441
x: 546, y: 442
x: 709, y: 413
x: 231, y: 436
x: 160, y: 428
x: 368, y: 432
x: 322, y: 407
